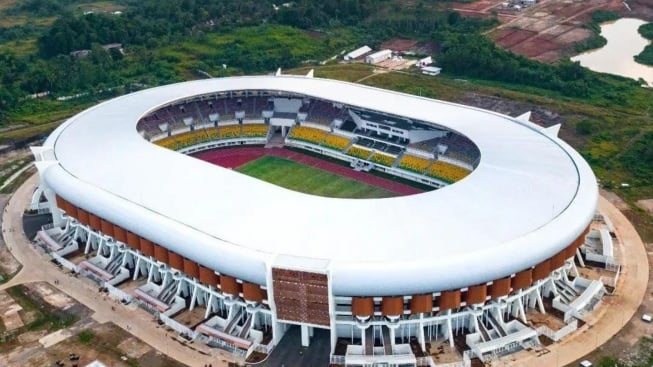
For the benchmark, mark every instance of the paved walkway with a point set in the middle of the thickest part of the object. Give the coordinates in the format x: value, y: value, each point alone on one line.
x: 38, y: 268
x: 615, y: 311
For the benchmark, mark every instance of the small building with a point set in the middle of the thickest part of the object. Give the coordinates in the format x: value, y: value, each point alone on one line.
x: 528, y: 2
x: 357, y: 53
x: 80, y: 53
x: 425, y: 61
x: 378, y: 56
x: 431, y: 70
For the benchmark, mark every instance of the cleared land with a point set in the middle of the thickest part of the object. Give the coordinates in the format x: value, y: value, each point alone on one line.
x: 549, y: 30
x: 309, y: 180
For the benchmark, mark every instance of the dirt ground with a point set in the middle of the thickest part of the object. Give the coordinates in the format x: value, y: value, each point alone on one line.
x: 646, y: 204
x: 399, y: 44
x: 539, y: 115
x: 108, y: 344
x: 640, y: 9
x: 409, y: 45
x: 549, y: 30
x: 86, y: 338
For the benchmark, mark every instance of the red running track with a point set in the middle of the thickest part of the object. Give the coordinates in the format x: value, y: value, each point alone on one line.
x: 236, y: 157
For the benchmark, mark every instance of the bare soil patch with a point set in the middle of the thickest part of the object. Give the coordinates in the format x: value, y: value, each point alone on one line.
x: 646, y: 205
x: 399, y: 44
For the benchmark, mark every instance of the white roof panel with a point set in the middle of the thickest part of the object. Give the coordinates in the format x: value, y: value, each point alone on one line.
x: 530, y: 196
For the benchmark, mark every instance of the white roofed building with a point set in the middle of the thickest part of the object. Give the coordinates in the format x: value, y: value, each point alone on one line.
x: 357, y: 53
x: 378, y: 56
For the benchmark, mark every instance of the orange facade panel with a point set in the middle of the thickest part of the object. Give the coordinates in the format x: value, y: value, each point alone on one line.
x: 476, y: 294
x: 542, y: 270
x: 500, y: 287
x: 570, y: 251
x: 106, y: 227
x: 558, y: 260
x: 147, y: 247
x: 421, y: 303
x: 252, y: 292
x: 523, y: 279
x: 449, y: 300
x: 208, y: 276
x: 229, y: 285
x: 191, y: 268
x: 71, y: 210
x: 175, y: 260
x: 94, y: 221
x: 82, y: 216
x: 362, y: 306
x: 392, y: 306
x: 61, y: 203
x: 133, y: 241
x: 119, y: 234
x: 161, y: 253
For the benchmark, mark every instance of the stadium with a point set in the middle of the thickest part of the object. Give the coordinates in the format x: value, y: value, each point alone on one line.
x: 429, y: 223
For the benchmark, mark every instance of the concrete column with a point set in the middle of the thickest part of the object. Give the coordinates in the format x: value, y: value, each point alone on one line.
x: 580, y: 258
x: 209, y: 305
x: 88, y: 244
x: 306, y: 337
x: 193, y: 298
x: 150, y: 273
x: 540, y: 304
x: 522, y: 312
x: 100, y: 247
x: 449, y: 329
x: 420, y: 333
x: 137, y: 267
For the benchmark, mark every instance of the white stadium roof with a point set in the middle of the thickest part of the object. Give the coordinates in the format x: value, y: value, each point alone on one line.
x: 530, y: 196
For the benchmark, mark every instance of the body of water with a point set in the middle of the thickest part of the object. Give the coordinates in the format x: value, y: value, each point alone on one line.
x: 616, y: 57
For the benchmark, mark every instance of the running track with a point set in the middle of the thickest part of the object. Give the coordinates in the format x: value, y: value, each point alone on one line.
x: 236, y: 157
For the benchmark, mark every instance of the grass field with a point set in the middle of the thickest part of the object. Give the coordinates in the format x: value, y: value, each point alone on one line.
x: 309, y: 180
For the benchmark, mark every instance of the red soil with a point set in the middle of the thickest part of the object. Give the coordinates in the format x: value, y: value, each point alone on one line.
x: 235, y: 157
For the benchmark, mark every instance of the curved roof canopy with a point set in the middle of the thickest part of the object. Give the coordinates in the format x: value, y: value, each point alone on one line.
x: 530, y: 196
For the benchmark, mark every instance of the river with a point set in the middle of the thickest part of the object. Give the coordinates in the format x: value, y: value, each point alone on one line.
x: 616, y: 57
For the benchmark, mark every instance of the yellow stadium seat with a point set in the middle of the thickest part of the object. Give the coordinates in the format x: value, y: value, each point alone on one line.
x: 413, y: 163
x: 384, y: 159
x: 359, y: 152
x: 307, y: 134
x: 336, y: 142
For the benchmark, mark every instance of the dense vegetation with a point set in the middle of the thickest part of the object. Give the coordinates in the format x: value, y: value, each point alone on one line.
x: 477, y: 57
x: 596, y: 40
x: 646, y: 56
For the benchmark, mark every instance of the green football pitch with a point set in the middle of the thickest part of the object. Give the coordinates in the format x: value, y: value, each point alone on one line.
x: 309, y: 180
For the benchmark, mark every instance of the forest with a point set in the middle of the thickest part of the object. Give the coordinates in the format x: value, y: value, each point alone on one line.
x: 158, y: 36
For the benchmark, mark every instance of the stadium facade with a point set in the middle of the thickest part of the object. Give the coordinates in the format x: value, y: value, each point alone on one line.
x: 468, y: 259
